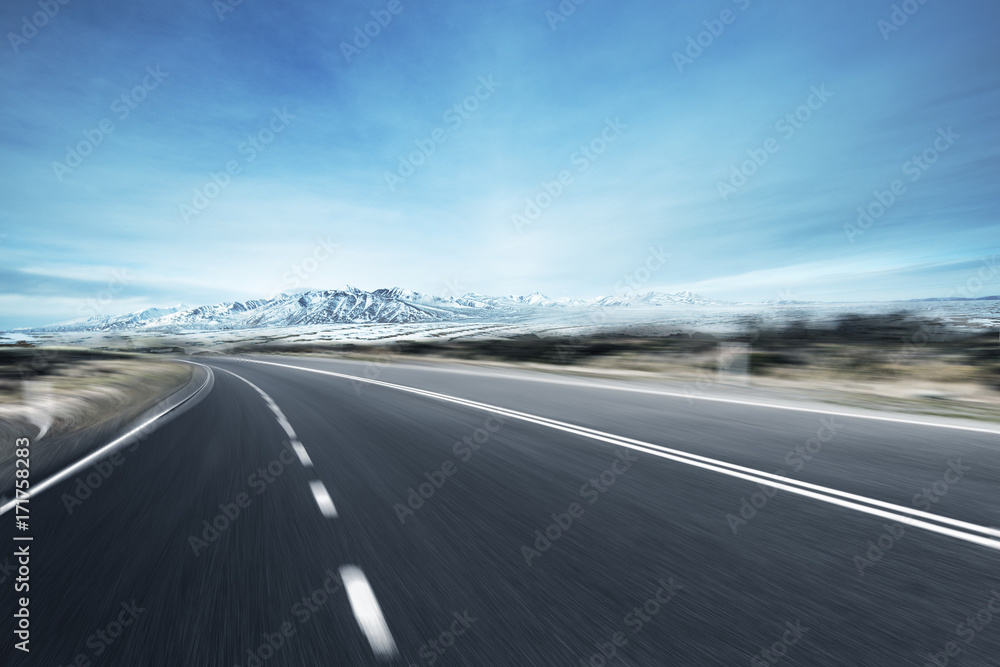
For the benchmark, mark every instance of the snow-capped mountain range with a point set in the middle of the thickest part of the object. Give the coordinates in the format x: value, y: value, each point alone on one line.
x: 352, y: 305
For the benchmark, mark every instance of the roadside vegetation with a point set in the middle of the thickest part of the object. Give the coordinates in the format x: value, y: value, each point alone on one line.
x: 68, y: 390
x: 896, y: 361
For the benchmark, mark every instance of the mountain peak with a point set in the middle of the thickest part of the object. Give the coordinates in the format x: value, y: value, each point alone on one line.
x: 352, y: 305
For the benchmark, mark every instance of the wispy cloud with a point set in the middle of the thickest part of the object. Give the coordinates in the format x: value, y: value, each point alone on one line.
x: 324, y: 175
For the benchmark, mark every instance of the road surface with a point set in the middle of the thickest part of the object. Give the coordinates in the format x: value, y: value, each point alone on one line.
x: 318, y: 512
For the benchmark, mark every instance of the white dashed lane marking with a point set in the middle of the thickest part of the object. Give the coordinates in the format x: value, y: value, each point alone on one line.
x: 302, y: 453
x: 367, y: 612
x: 968, y: 532
x: 323, y: 499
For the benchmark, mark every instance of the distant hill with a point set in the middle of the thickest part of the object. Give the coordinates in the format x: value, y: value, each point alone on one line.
x: 352, y: 305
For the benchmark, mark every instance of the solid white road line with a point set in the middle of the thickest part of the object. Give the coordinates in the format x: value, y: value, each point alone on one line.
x: 96, y: 456
x: 677, y: 394
x: 367, y: 612
x: 323, y: 499
x: 909, y: 516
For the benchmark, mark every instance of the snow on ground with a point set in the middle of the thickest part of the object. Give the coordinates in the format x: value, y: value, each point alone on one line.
x: 659, y: 320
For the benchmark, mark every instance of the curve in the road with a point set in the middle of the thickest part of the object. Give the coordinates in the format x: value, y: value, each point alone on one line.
x: 362, y: 599
x: 107, y: 449
x: 968, y: 532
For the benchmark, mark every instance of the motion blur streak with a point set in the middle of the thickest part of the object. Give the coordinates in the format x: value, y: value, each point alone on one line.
x: 664, y: 518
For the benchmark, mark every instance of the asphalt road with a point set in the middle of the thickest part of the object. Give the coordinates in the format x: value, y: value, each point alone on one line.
x: 357, y: 523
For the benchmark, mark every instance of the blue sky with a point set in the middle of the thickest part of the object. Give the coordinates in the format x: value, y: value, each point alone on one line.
x: 110, y: 234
